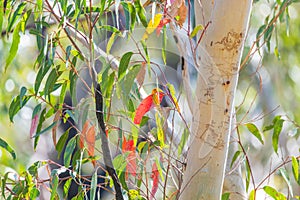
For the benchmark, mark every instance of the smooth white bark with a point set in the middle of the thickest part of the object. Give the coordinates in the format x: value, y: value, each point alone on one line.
x: 223, y: 42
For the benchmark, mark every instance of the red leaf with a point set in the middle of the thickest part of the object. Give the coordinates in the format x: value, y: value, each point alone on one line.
x: 161, y: 24
x: 153, y: 99
x: 128, y: 146
x: 143, y: 108
x: 155, y: 179
x: 34, y: 123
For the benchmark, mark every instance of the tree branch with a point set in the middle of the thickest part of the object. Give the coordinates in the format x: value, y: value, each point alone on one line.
x: 104, y: 143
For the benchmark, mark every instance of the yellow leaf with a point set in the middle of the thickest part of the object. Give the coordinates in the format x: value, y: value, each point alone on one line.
x: 172, y: 92
x: 160, y: 131
x: 152, y: 25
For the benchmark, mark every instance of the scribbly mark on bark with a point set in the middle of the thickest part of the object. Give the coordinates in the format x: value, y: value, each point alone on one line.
x: 231, y: 41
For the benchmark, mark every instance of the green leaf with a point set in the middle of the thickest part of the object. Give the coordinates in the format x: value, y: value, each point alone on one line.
x: 268, y: 35
x: 68, y: 52
x: 225, y: 196
x: 69, y: 151
x: 38, y: 79
x: 51, y: 81
x: 61, y: 143
x: 196, y: 30
x: 63, y: 93
x: 39, y: 128
x: 3, y: 184
x: 34, y: 193
x: 127, y: 15
x: 108, y: 85
x: 120, y: 162
x: 23, y: 91
x: 54, y: 185
x: 67, y: 187
x: 258, y: 35
x: 24, y: 20
x: 183, y: 140
x: 4, y: 145
x: 111, y: 29
x: 146, y: 52
x: 295, y: 168
x: 268, y: 127
x: 129, y: 79
x: 130, y: 15
x: 276, y: 52
x: 132, y: 12
x: 252, y: 195
x: 14, y: 46
x: 45, y: 130
x: 124, y: 62
x: 36, y: 110
x: 235, y: 156
x: 278, y: 122
x: 248, y: 175
x: 93, y: 186
x: 274, y: 193
x: 73, y: 79
x: 141, y: 12
x: 286, y: 177
x: 110, y: 42
x: 254, y: 130
x: 1, y: 14
x: 160, y: 169
x: 16, y: 14
x: 15, y: 106
x: 33, y: 169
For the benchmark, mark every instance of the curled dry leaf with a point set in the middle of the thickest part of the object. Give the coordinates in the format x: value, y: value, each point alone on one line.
x: 178, y: 10
x: 141, y: 75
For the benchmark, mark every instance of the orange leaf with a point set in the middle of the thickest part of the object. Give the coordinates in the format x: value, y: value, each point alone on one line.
x: 155, y: 179
x: 157, y: 96
x: 56, y: 118
x: 90, y: 140
x: 83, y: 134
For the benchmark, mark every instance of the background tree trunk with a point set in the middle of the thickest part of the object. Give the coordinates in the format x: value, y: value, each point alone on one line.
x: 223, y: 41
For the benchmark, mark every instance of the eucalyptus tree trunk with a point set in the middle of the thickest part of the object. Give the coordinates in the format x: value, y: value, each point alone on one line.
x: 223, y: 41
